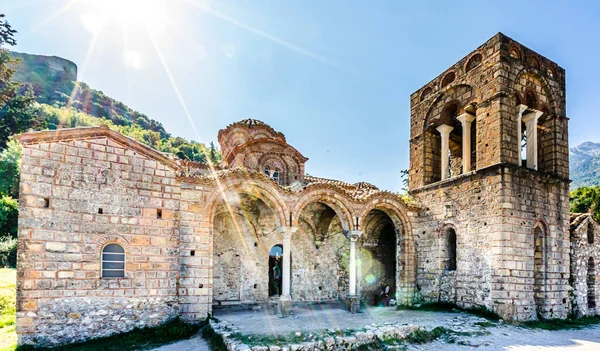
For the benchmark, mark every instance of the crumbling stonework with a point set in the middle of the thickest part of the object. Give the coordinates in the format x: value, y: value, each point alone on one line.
x: 486, y: 223
x: 585, y: 255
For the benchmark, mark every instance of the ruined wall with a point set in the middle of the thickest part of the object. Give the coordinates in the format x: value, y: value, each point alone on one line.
x: 75, y: 197
x: 585, y: 254
x: 470, y: 206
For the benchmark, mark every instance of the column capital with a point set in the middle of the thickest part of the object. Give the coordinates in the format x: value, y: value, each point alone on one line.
x: 466, y: 118
x: 444, y: 129
x: 354, y: 234
x: 533, y: 115
x: 287, y: 230
x: 522, y: 108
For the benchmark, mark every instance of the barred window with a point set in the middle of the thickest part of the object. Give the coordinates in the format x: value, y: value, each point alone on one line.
x: 113, y: 261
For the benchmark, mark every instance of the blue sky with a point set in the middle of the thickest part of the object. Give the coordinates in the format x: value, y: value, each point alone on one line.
x: 334, y: 76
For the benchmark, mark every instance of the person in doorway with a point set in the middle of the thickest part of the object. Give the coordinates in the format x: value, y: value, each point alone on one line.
x: 277, y: 275
x: 384, y: 294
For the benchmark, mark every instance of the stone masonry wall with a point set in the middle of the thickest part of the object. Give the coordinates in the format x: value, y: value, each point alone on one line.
x: 584, y: 249
x: 77, y: 196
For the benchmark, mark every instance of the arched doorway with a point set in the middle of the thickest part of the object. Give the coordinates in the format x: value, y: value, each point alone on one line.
x: 377, y: 257
x: 244, y: 229
x: 275, y: 271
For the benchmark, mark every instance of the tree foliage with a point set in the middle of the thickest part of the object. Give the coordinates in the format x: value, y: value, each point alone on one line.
x: 586, y: 199
x: 10, y: 167
x: 9, y: 213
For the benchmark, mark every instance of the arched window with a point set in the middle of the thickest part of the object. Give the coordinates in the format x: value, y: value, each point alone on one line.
x: 591, y: 284
x: 449, y: 250
x: 473, y: 62
x: 276, y: 175
x: 530, y: 100
x: 268, y: 171
x: 448, y: 78
x: 426, y: 92
x: 590, y: 233
x: 539, y: 269
x: 113, y: 261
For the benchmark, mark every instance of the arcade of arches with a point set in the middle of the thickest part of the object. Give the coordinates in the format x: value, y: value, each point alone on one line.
x: 485, y: 223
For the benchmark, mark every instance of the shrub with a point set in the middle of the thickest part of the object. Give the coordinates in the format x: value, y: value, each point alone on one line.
x: 8, y: 252
x: 9, y: 214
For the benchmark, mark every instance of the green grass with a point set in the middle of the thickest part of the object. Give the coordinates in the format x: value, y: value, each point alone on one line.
x: 8, y: 286
x: 422, y: 336
x: 214, y: 340
x: 561, y: 324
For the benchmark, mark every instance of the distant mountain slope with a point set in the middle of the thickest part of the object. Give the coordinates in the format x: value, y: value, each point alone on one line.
x: 585, y: 165
x: 65, y: 102
x: 53, y: 80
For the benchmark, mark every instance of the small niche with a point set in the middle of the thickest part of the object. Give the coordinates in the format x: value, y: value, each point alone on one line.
x: 158, y: 213
x: 46, y: 202
x: 201, y: 286
x: 193, y: 253
x: 100, y: 210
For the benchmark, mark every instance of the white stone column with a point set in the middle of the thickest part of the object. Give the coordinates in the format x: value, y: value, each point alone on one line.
x: 353, y: 235
x: 285, y: 300
x: 521, y: 108
x: 445, y: 130
x: 530, y: 121
x: 286, y: 232
x: 466, y: 119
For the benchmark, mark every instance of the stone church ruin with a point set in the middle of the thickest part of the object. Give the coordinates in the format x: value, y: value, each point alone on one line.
x: 115, y: 235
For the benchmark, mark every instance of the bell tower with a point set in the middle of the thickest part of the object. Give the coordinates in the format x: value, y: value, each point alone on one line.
x: 489, y: 158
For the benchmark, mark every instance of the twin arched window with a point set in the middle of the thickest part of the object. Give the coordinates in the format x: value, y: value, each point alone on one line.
x: 274, y: 175
x: 113, y: 261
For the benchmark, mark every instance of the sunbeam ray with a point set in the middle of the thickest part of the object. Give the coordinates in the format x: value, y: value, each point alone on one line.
x: 270, y: 37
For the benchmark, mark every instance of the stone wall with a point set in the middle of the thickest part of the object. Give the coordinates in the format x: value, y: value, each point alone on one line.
x: 76, y: 196
x: 511, y: 222
x: 585, y: 254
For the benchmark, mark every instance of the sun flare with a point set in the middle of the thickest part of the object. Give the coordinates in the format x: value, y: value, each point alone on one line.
x: 137, y: 14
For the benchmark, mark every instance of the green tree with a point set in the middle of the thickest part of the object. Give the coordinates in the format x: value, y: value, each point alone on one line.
x: 586, y: 199
x: 213, y: 153
x: 16, y: 113
x: 9, y: 213
x: 10, y: 166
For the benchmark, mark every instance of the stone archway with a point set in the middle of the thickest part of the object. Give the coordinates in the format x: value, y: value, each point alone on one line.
x: 321, y: 254
x: 244, y: 231
x: 377, y: 256
x: 406, y: 255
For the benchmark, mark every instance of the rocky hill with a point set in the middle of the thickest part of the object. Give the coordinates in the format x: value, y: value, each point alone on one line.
x: 585, y: 165
x: 54, y: 79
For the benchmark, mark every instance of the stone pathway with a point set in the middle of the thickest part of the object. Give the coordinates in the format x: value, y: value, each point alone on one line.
x: 319, y: 317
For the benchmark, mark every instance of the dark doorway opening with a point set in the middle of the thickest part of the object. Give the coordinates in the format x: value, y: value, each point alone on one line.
x: 275, y: 270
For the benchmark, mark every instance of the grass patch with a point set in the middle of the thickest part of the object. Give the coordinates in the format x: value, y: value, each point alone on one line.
x: 8, y: 293
x: 479, y: 311
x: 560, y: 324
x: 214, y: 340
x: 137, y: 339
x: 422, y: 336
